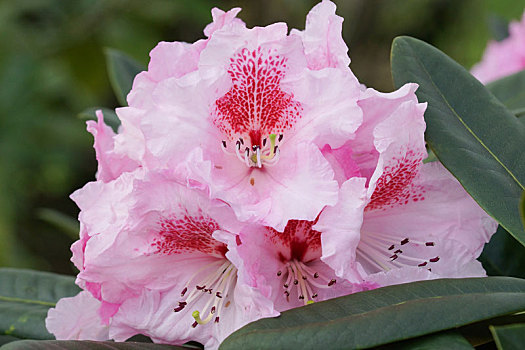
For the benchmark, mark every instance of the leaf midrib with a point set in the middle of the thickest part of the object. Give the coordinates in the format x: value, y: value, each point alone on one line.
x: 348, y: 318
x: 26, y: 301
x: 420, y: 63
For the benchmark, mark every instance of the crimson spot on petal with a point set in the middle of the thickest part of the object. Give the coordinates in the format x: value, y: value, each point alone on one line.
x: 185, y: 232
x: 255, y: 105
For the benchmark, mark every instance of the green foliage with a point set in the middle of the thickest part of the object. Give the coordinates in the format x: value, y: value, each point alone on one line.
x: 465, y: 133
x: 509, y: 337
x: 450, y: 340
x: 385, y: 315
x: 503, y: 255
x: 511, y: 92
x: 25, y: 297
x: 122, y: 69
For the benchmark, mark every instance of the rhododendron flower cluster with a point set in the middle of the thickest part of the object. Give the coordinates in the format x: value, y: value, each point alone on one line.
x: 504, y: 57
x: 252, y: 173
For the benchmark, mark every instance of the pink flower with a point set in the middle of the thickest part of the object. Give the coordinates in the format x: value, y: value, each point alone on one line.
x: 287, y: 266
x: 505, y: 57
x: 76, y: 318
x: 152, y: 259
x: 418, y: 222
x: 244, y: 114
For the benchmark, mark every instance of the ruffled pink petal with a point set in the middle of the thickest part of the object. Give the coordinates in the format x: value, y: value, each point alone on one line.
x: 340, y: 226
x: 323, y: 43
x: 110, y: 163
x: 297, y: 187
x: 504, y: 57
x: 227, y: 20
x: 76, y: 318
x: 401, y: 147
x: 444, y: 210
x: 378, y: 108
x: 330, y: 114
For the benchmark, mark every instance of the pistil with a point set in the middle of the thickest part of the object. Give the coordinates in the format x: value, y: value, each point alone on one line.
x: 217, y: 287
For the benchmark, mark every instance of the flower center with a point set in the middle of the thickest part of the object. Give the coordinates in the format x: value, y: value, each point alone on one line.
x: 256, y: 154
x: 297, y: 275
x: 215, y: 290
x: 255, y: 113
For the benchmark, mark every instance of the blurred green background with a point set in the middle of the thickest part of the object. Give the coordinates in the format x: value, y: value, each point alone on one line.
x: 52, y: 67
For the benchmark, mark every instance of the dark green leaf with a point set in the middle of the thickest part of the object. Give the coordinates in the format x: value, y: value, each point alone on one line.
x: 468, y: 129
x: 110, y: 117
x: 65, y: 223
x: 499, y: 27
x: 511, y: 337
x: 84, y: 345
x: 510, y: 91
x: 122, y: 69
x: 4, y: 339
x: 522, y: 208
x: 450, y: 340
x: 26, y: 296
x: 385, y: 315
x: 503, y: 256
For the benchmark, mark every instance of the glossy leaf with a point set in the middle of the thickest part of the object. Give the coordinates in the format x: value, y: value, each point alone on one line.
x: 85, y: 345
x: 522, y: 208
x: 110, y: 117
x: 122, y: 69
x: 468, y: 129
x: 445, y: 340
x: 510, y: 337
x: 26, y: 296
x: 4, y: 339
x: 385, y: 315
x: 510, y: 91
x: 503, y: 255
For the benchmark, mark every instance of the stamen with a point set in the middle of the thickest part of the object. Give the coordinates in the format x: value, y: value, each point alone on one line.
x: 257, y: 155
x: 304, y: 279
x: 221, y: 280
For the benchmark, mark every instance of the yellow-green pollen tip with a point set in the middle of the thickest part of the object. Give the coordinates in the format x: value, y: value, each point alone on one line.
x: 310, y: 302
x: 196, y: 315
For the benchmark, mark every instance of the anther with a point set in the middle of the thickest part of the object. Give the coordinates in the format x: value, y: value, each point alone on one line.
x: 301, y: 297
x: 242, y: 141
x: 399, y: 251
x: 194, y: 324
x: 316, y: 275
x: 279, y: 273
x: 218, y: 295
x: 422, y: 264
x: 286, y: 293
x: 314, y: 295
x: 181, y: 306
x: 213, y: 310
x: 217, y: 319
x: 331, y: 283
x: 296, y: 282
x: 264, y: 142
x: 391, y: 247
x: 429, y: 244
x: 281, y: 137
x: 200, y: 288
x: 224, y: 144
x: 305, y: 278
x: 285, y: 285
x: 436, y: 259
x: 183, y: 291
x: 394, y: 257
x: 405, y: 241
